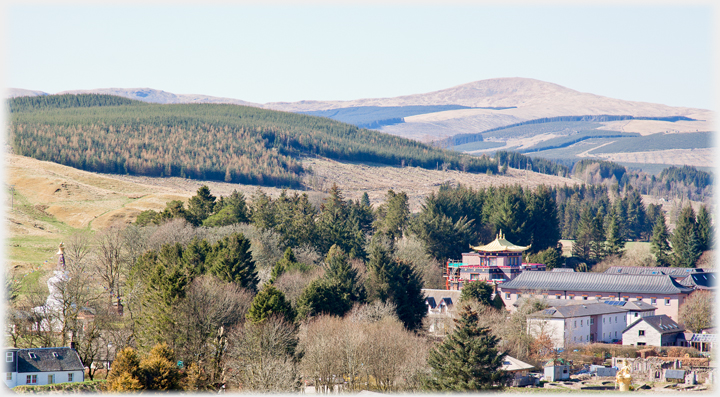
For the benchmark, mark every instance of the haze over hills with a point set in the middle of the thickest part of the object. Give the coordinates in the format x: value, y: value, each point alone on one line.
x: 464, y: 114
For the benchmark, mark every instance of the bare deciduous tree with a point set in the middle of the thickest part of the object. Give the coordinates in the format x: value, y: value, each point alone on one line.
x: 698, y: 311
x: 263, y: 356
x: 209, y: 304
x: 109, y: 263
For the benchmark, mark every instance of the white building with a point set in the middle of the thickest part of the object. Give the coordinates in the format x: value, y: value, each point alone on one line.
x: 579, y: 323
x: 42, y: 366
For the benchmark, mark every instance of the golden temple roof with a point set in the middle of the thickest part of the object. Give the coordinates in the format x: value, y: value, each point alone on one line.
x: 500, y: 245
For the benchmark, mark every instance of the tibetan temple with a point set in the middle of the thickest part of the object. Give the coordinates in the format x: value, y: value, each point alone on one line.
x: 496, y: 262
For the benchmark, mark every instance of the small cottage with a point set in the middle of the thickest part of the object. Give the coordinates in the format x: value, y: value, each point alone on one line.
x: 42, y: 366
x: 653, y: 331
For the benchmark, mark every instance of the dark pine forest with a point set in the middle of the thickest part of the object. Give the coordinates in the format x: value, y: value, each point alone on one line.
x: 230, y: 143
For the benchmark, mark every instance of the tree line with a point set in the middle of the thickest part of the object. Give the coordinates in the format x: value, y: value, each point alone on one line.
x: 204, y: 141
x: 253, y: 293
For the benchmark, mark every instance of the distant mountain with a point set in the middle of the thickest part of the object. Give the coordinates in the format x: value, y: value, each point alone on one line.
x: 466, y: 113
x: 159, y: 96
x: 16, y: 92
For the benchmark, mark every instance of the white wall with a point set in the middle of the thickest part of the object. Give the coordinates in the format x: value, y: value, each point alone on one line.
x: 553, y: 327
x: 609, y: 325
x: 42, y: 377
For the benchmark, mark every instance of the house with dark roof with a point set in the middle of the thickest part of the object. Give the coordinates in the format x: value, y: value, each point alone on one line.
x: 441, y: 305
x: 653, y: 331
x: 660, y: 291
x: 42, y: 366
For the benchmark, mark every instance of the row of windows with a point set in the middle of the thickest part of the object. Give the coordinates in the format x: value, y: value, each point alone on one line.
x: 32, y: 379
x: 609, y: 334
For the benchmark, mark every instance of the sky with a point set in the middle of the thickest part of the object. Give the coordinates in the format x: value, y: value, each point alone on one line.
x: 286, y: 52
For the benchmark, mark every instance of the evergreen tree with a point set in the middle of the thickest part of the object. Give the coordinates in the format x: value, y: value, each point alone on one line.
x: 510, y: 216
x: 336, y: 227
x: 323, y: 296
x: 551, y: 258
x: 228, y: 211
x: 583, y: 240
x: 478, y: 291
x: 443, y: 238
x: 659, y: 245
x: 614, y: 241
x: 635, y: 214
x: 283, y: 265
x: 468, y: 359
x: 339, y: 270
x: 263, y: 211
x: 685, y: 244
x: 597, y: 238
x: 704, y: 229
x: 544, y: 225
x: 231, y: 261
x: 270, y: 301
x: 392, y: 216
x: 361, y: 212
x: 201, y: 205
x: 407, y: 295
x: 398, y: 282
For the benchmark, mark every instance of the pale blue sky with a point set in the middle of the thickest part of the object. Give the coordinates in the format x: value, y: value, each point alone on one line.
x: 662, y: 54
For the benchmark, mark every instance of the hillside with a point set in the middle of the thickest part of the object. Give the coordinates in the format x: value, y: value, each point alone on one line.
x: 465, y: 113
x: 228, y: 143
x: 51, y: 200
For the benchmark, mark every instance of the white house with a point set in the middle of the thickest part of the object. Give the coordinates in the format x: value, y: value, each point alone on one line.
x: 653, y: 331
x: 42, y: 366
x: 574, y: 323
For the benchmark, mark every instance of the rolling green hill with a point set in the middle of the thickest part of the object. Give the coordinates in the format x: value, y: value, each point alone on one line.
x: 203, y: 141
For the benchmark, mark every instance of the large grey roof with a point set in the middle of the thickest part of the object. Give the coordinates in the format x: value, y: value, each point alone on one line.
x: 662, y: 323
x: 587, y: 309
x: 699, y: 281
x: 670, y: 271
x: 595, y: 282
x: 67, y: 360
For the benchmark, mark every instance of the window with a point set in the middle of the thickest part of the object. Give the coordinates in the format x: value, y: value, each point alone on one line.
x: 574, y: 339
x: 603, y: 335
x: 616, y: 334
x: 641, y: 332
x: 31, y: 379
x: 625, y: 298
x: 641, y: 343
x: 51, y: 379
x: 581, y: 323
x: 70, y: 377
x: 603, y: 320
x: 615, y: 319
x: 519, y: 295
x: 8, y: 357
x: 667, y: 301
x: 587, y: 337
x: 592, y: 321
x: 636, y: 314
x: 32, y: 355
x: 507, y: 295
x: 653, y: 301
x: 575, y: 326
x: 9, y: 376
x: 584, y: 297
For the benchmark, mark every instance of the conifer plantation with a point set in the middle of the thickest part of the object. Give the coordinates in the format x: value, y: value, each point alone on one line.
x: 230, y: 143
